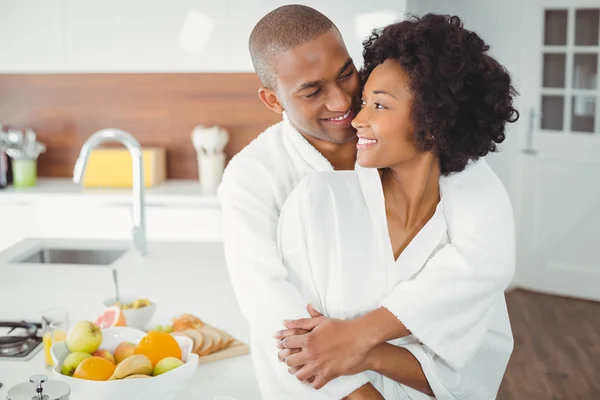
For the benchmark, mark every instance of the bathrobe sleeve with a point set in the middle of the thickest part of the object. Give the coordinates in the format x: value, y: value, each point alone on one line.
x: 449, y: 304
x: 258, y: 275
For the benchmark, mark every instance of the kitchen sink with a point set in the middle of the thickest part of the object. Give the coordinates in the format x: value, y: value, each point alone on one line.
x: 48, y: 255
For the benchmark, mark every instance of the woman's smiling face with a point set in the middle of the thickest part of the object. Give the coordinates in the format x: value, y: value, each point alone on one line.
x: 384, y: 124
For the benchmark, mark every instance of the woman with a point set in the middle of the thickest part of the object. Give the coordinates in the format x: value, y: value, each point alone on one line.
x: 433, y: 101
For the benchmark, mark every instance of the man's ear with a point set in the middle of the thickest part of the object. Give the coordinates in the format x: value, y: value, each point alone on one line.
x: 270, y: 99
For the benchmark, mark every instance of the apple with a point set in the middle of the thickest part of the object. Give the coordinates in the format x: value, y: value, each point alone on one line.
x: 124, y: 350
x: 166, y: 364
x: 84, y: 336
x: 104, y: 354
x: 72, y: 362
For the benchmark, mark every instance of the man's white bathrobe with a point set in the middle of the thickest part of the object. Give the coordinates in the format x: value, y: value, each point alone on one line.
x: 255, y: 186
x: 333, y: 236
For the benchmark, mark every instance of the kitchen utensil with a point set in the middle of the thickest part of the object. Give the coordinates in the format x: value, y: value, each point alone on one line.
x: 29, y: 143
x: 209, y: 140
x: 15, y: 138
x: 163, y: 387
x: 116, y: 283
x: 38, y: 388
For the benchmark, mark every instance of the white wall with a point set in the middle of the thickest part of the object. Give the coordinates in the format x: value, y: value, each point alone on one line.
x: 491, y: 20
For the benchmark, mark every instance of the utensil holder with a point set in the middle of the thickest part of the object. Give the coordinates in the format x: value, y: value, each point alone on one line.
x: 210, y: 170
x: 24, y: 173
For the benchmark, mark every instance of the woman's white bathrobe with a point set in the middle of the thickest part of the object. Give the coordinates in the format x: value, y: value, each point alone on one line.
x: 255, y: 186
x: 334, y: 239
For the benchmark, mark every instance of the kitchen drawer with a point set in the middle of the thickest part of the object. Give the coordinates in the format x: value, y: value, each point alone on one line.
x: 113, y: 221
x: 184, y: 223
x: 18, y: 220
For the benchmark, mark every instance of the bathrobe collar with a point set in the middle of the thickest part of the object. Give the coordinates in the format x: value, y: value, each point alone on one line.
x: 421, y: 248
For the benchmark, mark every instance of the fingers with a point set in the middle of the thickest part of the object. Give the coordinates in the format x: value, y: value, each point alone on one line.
x: 305, y: 323
x: 286, y: 353
x: 313, y: 313
x: 296, y: 360
x: 293, y: 370
x: 319, y: 382
x: 292, y: 342
x: 304, y: 373
x: 289, y: 332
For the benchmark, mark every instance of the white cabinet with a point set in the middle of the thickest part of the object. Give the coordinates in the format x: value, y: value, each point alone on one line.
x: 145, y: 36
x: 184, y: 223
x: 17, y: 221
x: 113, y: 221
x: 156, y: 35
x: 82, y: 219
x: 352, y: 18
x: 31, y: 36
x: 68, y: 219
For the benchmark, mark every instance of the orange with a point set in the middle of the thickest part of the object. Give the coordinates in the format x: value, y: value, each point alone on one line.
x: 111, y: 316
x: 158, y: 345
x: 94, y: 369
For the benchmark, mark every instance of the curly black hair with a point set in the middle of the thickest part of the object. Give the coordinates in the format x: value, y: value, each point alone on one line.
x: 463, y: 97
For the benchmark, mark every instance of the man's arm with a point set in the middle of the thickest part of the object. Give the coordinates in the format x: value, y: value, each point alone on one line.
x: 449, y: 305
x: 396, y: 363
x: 258, y: 275
x: 366, y: 392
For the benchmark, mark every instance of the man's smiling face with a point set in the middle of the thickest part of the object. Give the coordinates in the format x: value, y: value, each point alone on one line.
x: 318, y: 87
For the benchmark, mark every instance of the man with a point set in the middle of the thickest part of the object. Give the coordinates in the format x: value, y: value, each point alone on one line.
x: 308, y: 77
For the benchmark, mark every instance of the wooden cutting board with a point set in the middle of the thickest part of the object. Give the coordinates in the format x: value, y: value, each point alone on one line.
x: 236, y: 348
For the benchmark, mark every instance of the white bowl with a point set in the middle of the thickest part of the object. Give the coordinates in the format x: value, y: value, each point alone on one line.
x: 163, y: 387
x: 136, y: 318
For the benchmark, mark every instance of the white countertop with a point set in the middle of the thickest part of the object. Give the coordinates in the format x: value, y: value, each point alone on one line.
x: 178, y: 277
x: 170, y: 191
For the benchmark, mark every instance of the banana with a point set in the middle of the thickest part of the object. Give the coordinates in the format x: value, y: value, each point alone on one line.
x: 136, y: 376
x: 137, y: 364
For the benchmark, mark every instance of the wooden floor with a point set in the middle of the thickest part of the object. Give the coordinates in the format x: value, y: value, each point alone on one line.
x: 557, y: 348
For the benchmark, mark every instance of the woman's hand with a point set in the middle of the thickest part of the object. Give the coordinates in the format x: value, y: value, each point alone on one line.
x: 332, y: 348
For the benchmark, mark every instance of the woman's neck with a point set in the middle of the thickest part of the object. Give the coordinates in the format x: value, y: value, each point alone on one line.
x: 412, y: 189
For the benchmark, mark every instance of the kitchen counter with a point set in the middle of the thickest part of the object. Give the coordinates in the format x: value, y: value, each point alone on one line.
x: 180, y: 277
x: 170, y: 191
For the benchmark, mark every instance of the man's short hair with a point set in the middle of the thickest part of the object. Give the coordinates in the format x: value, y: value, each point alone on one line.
x: 281, y: 30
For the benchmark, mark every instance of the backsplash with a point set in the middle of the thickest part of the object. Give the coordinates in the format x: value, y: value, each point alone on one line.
x: 158, y: 109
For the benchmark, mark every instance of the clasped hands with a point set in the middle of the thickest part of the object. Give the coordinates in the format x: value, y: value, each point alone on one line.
x: 320, y: 349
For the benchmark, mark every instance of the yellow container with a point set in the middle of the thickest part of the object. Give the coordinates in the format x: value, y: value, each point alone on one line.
x: 112, y: 167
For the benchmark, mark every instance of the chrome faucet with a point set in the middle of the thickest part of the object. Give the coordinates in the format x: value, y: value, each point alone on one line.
x: 139, y: 205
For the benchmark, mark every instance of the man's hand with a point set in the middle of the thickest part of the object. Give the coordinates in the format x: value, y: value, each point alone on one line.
x: 331, y: 349
x: 366, y: 392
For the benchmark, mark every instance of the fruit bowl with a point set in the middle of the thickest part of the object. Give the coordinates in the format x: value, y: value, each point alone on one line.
x: 134, y: 317
x: 163, y: 387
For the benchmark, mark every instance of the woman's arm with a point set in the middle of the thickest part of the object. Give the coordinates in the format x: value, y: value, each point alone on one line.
x: 396, y: 363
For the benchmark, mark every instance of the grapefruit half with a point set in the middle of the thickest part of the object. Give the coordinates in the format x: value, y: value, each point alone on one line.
x: 111, y: 316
